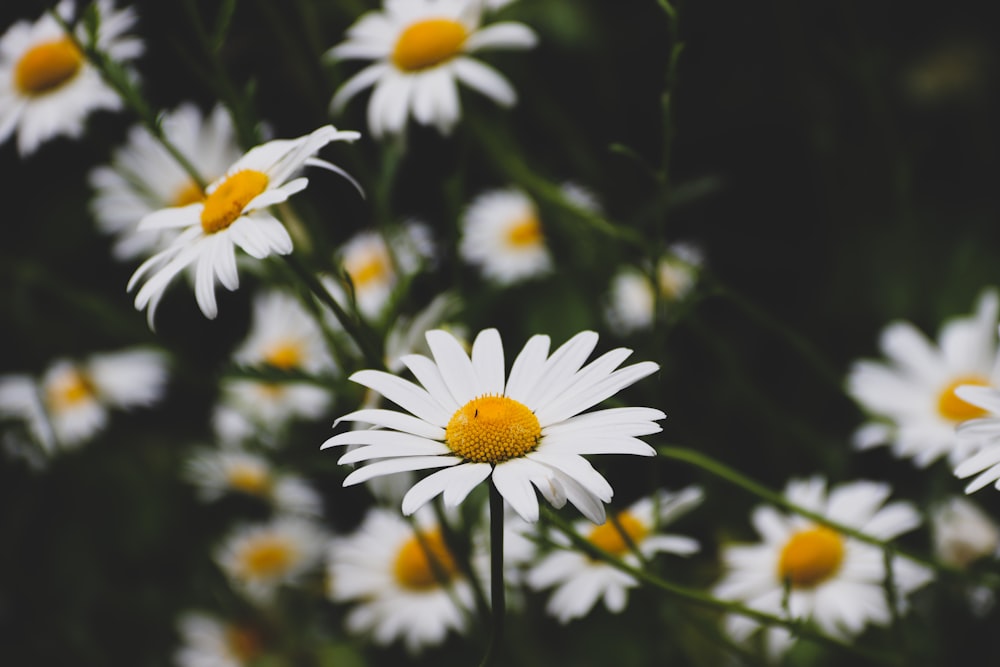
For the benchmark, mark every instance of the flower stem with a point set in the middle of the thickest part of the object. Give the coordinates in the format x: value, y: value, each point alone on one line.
x: 497, y: 591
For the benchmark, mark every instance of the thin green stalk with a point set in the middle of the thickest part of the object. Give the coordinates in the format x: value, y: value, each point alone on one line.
x: 496, y: 576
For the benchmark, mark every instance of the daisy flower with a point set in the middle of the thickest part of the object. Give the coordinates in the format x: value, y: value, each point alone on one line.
x: 71, y: 402
x: 401, y: 593
x: 519, y: 431
x: 47, y: 86
x: 963, y: 533
x: 832, y: 580
x: 218, y: 472
x: 502, y: 235
x: 233, y: 214
x: 143, y: 177
x: 981, y: 437
x: 581, y: 581
x: 208, y: 642
x: 260, y: 558
x: 912, y: 396
x: 632, y: 300
x: 420, y: 49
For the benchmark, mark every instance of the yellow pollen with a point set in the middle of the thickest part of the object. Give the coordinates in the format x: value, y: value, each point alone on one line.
x: 955, y: 409
x: 250, y: 479
x: 811, y: 557
x: 413, y: 568
x: 189, y: 194
x: 368, y: 268
x: 69, y: 389
x: 243, y: 643
x: 428, y: 43
x: 492, y: 429
x: 525, y: 232
x: 47, y: 66
x: 226, y: 203
x: 608, y: 537
x: 266, y: 557
x: 286, y: 355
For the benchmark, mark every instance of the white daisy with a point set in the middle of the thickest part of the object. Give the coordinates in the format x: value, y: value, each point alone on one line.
x: 47, y: 86
x: 521, y: 430
x: 260, y: 558
x: 144, y: 177
x: 502, y: 235
x: 71, y: 402
x: 832, y: 580
x: 420, y: 49
x: 912, y: 395
x: 233, y: 214
x: 209, y: 642
x: 632, y: 300
x: 980, y: 436
x: 581, y: 581
x: 401, y: 594
x: 963, y: 533
x: 217, y: 472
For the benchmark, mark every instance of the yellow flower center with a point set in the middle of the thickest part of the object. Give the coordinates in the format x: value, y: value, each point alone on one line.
x: 955, y: 409
x: 266, y: 557
x: 47, y: 66
x: 243, y: 643
x: 811, y: 557
x: 492, y: 429
x: 285, y: 355
x: 367, y: 268
x: 250, y: 478
x: 608, y: 537
x: 525, y: 232
x: 189, y: 194
x: 413, y: 567
x: 226, y: 203
x: 69, y: 389
x: 428, y: 43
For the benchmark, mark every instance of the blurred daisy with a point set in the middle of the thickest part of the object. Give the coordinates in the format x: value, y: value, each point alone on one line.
x: 912, y: 395
x: 502, y: 235
x: 259, y: 558
x: 47, y: 86
x: 208, y: 642
x: 963, y: 533
x: 581, y: 581
x: 218, y: 472
x: 403, y: 593
x: 233, y: 214
x: 420, y: 49
x: 832, y: 580
x: 632, y: 300
x: 283, y: 336
x: 520, y: 431
x: 71, y: 402
x: 144, y: 177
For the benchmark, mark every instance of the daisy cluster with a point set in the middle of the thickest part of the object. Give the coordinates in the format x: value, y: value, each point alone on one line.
x: 480, y: 341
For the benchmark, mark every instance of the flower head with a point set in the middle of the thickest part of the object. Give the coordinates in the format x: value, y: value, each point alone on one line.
x: 47, y: 86
x: 912, y: 395
x: 209, y: 642
x: 421, y: 48
x: 524, y: 429
x: 580, y: 581
x: 833, y: 580
x: 632, y: 300
x: 502, y: 235
x: 233, y: 214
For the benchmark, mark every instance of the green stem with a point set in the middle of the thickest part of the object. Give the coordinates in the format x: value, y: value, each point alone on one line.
x: 496, y: 576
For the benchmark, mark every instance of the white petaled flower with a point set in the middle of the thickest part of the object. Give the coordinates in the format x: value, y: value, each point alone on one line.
x: 521, y: 430
x: 632, y: 299
x: 260, y: 558
x: 421, y: 50
x: 405, y: 586
x: 143, y: 177
x: 809, y: 572
x: 981, y: 437
x: 963, y: 533
x: 209, y: 642
x: 217, y: 472
x: 912, y: 395
x: 581, y: 581
x: 70, y: 404
x: 502, y: 235
x: 47, y: 86
x: 234, y: 214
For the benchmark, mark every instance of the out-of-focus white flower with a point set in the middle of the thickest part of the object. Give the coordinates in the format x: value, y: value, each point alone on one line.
x: 209, y: 642
x: 963, y: 533
x: 632, y: 299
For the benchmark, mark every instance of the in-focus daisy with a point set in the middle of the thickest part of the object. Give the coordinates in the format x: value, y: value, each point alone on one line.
x: 207, y: 641
x: 143, y: 177
x: 581, y: 581
x: 259, y: 558
x: 47, y: 86
x: 399, y: 591
x: 912, y: 395
x: 832, y: 580
x: 524, y: 429
x: 217, y: 472
x: 632, y: 299
x: 233, y: 214
x: 71, y: 402
x: 421, y: 48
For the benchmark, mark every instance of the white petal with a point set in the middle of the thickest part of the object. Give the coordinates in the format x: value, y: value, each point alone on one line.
x: 376, y: 436
x: 405, y: 394
x: 579, y: 469
x: 527, y: 368
x: 395, y: 420
x: 502, y: 35
x: 488, y: 362
x: 484, y: 79
x: 391, y: 450
x: 455, y: 367
x: 512, y: 481
x: 366, y: 77
x: 379, y: 468
x: 557, y: 372
x: 580, y: 398
x: 428, y: 374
